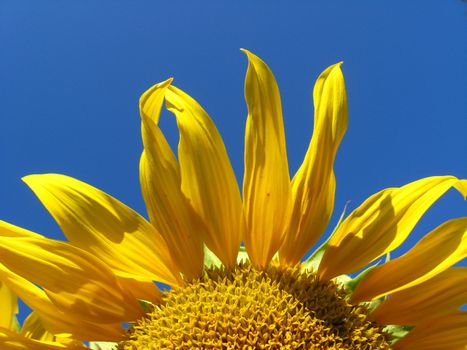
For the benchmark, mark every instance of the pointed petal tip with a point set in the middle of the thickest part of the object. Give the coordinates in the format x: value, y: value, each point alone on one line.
x: 461, y: 186
x: 250, y: 55
x: 30, y: 179
x: 159, y: 85
x: 33, y: 179
x: 164, y: 83
x: 168, y: 81
x: 337, y: 67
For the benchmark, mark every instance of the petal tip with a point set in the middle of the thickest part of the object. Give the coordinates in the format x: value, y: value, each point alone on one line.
x: 29, y: 179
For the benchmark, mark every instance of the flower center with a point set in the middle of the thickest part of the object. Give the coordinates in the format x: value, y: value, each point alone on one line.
x: 280, y: 308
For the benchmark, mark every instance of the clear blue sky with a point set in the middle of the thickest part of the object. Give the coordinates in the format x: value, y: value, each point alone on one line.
x: 71, y: 73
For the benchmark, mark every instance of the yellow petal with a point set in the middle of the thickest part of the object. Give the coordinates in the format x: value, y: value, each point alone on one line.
x: 208, y: 179
x: 143, y: 290
x: 76, y: 281
x: 13, y: 341
x: 33, y: 328
x: 266, y: 181
x: 9, y: 230
x: 151, y: 100
x: 447, y: 332
x: 100, y: 224
x: 439, y: 295
x: 313, y: 186
x: 8, y: 307
x: 381, y: 224
x: 55, y: 320
x: 437, y: 251
x: 169, y: 210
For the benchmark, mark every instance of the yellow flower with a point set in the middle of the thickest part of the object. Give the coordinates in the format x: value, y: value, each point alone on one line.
x: 226, y: 295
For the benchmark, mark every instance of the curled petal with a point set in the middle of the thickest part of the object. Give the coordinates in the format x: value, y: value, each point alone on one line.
x: 168, y: 208
x: 208, y: 180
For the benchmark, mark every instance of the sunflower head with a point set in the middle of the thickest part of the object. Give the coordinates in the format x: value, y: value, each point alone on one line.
x: 243, y: 307
x: 232, y: 258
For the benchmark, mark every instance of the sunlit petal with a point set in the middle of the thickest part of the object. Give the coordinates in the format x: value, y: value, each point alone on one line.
x: 439, y: 295
x: 76, y: 281
x: 439, y: 333
x: 100, y: 224
x: 141, y: 289
x: 33, y: 327
x: 208, y: 179
x: 266, y: 181
x: 381, y: 224
x: 8, y: 307
x: 55, y: 319
x: 12, y: 341
x: 436, y: 252
x: 313, y: 186
x: 169, y: 210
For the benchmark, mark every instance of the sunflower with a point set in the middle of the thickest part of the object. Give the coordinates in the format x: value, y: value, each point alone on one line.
x: 234, y: 262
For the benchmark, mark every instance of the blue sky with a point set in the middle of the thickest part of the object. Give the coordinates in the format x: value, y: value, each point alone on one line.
x: 71, y: 73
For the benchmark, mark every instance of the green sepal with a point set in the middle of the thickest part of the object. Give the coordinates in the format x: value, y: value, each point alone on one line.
x: 343, y: 280
x: 16, y: 325
x: 313, y: 261
x: 211, y: 259
x: 242, y: 255
x: 100, y: 345
x: 354, y: 282
x: 147, y: 306
x: 397, y: 332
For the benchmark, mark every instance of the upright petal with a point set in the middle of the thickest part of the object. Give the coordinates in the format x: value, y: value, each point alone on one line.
x: 381, y: 224
x: 76, y: 281
x: 313, y: 186
x: 208, y: 179
x: 436, y: 252
x: 169, y: 210
x: 100, y: 224
x: 266, y: 181
x: 438, y: 333
x: 442, y: 294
